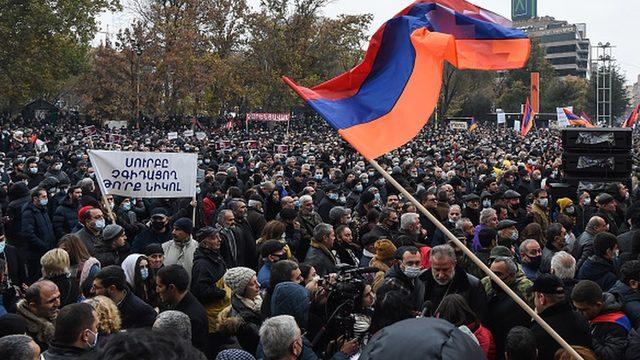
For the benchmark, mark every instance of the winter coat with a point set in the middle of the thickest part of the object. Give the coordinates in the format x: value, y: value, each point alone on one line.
x: 37, y: 230
x: 323, y: 262
x: 207, y: 284
x: 468, y: 286
x: 148, y: 236
x: 180, y: 255
x: 396, y: 278
x: 196, y: 312
x: 135, y: 313
x: 15, y: 265
x: 610, y: 330
x: 630, y: 300
x: 108, y: 256
x: 431, y: 338
x: 256, y: 220
x: 65, y: 218
x: 64, y: 352
x: 40, y: 329
x: 583, y: 248
x: 241, y: 322
x: 485, y: 340
x: 68, y: 288
x: 246, y: 254
x: 13, y: 227
x: 625, y: 240
x: 599, y: 270
x: 570, y: 325
x: 504, y: 314
x: 307, y: 223
x: 89, y: 239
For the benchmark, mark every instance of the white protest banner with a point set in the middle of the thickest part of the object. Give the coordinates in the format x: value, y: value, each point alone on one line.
x: 502, y: 118
x: 145, y: 174
x: 458, y: 125
x: 267, y: 117
x: 172, y: 135
x: 516, y: 125
x: 187, y: 133
x: 201, y: 135
x: 563, y: 121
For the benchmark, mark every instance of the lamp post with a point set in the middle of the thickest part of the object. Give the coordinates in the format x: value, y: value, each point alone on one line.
x: 138, y: 50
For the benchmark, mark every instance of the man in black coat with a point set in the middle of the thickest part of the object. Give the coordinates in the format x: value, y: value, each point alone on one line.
x: 18, y: 196
x: 243, y: 230
x: 65, y: 218
x: 172, y: 285
x: 551, y: 305
x: 320, y: 255
x: 15, y: 264
x: 37, y: 231
x: 446, y: 278
x: 158, y: 232
x: 134, y: 312
x: 404, y: 274
x: 208, y: 268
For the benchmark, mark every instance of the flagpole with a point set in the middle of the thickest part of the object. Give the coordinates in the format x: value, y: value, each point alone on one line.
x: 477, y: 261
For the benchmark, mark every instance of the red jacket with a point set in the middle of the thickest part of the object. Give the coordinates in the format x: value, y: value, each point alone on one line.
x: 485, y: 338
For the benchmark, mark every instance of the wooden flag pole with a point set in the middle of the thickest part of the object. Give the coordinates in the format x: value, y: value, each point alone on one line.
x: 477, y: 261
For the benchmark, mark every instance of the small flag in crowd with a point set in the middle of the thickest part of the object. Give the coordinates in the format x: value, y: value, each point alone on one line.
x: 575, y: 120
x: 632, y: 118
x: 375, y: 106
x: 528, y: 117
x: 474, y: 124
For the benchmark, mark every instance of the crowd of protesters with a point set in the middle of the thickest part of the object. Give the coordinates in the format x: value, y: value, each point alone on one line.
x: 84, y: 274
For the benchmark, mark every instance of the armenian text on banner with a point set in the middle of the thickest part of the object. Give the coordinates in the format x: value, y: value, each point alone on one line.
x: 268, y: 117
x: 145, y: 174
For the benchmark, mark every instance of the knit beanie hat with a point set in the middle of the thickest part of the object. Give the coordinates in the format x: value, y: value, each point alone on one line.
x: 111, y: 232
x: 384, y: 249
x: 184, y: 224
x: 237, y: 278
x: 82, y: 211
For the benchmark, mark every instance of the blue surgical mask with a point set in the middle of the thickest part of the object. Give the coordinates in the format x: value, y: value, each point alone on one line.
x: 126, y: 206
x: 100, y: 224
x: 144, y: 273
x: 33, y: 170
x: 44, y: 202
x: 359, y: 188
x: 3, y: 244
x: 333, y: 196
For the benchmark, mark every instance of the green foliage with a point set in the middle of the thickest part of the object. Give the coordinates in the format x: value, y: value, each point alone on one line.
x: 44, y: 44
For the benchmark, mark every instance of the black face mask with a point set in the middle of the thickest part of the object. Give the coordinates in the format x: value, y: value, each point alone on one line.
x: 535, y: 261
x: 157, y: 225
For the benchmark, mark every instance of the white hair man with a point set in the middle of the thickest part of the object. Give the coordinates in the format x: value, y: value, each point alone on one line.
x: 411, y: 231
x: 563, y: 265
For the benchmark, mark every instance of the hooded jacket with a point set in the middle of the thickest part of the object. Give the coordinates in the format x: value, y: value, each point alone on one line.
x: 630, y: 300
x: 610, y: 330
x: 422, y: 338
x: 65, y: 218
x: 599, y: 270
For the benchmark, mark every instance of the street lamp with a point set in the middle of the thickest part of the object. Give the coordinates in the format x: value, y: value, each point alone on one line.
x: 138, y: 50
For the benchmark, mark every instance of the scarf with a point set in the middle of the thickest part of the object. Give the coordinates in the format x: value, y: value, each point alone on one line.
x: 254, y: 304
x: 324, y: 249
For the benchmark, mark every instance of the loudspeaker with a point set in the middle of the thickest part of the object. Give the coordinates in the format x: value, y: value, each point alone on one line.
x: 597, y: 139
x: 600, y: 154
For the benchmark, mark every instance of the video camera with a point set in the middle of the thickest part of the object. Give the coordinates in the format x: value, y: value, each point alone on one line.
x: 344, y: 298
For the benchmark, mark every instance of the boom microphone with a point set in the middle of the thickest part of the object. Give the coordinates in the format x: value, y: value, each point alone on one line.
x: 360, y: 271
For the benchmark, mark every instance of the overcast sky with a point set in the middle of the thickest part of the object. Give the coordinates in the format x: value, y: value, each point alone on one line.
x: 608, y: 21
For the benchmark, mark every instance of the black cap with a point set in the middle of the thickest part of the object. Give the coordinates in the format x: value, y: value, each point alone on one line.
x: 205, y: 233
x: 153, y: 248
x: 471, y: 197
x: 511, y: 194
x: 604, y: 198
x: 271, y: 246
x: 547, y: 284
x: 506, y: 224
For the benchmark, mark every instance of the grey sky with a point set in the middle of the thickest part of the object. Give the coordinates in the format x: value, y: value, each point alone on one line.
x: 607, y: 21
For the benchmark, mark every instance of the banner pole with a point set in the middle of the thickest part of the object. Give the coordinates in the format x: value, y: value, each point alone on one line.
x: 477, y: 261
x: 193, y: 217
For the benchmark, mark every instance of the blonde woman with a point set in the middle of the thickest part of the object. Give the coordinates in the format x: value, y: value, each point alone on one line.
x: 108, y: 317
x: 56, y: 268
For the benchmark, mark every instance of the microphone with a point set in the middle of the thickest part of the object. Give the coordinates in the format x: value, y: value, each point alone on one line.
x: 365, y: 270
